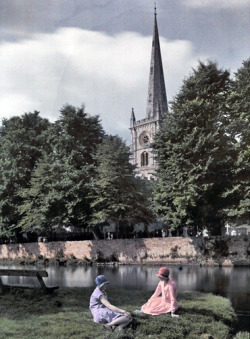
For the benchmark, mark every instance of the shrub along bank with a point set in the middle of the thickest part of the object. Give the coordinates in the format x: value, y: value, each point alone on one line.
x: 65, y: 314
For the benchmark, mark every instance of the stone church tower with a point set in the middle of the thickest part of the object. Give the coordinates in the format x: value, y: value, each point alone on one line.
x: 143, y: 131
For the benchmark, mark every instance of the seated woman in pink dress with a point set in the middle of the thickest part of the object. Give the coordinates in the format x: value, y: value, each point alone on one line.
x: 164, y: 298
x: 105, y: 313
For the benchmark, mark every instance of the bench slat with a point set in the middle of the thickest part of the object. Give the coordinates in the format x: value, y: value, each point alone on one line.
x: 24, y: 273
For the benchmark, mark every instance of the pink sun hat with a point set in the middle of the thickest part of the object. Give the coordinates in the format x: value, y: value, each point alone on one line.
x: 163, y: 272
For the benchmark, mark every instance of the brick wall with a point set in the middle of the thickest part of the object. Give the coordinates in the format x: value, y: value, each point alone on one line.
x: 148, y: 250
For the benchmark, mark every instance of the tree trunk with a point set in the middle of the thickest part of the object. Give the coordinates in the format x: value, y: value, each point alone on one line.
x: 117, y: 229
x: 146, y: 229
x: 96, y: 232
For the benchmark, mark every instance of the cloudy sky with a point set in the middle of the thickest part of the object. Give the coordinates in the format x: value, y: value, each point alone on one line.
x: 97, y: 52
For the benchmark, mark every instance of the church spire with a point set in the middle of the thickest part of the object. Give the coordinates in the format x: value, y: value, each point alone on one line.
x: 156, y: 87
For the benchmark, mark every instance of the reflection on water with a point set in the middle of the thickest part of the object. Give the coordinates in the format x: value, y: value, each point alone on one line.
x: 232, y: 283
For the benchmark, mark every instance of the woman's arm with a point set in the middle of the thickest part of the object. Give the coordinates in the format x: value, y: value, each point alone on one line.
x: 169, y: 295
x: 106, y: 303
x: 173, y: 302
x: 156, y: 293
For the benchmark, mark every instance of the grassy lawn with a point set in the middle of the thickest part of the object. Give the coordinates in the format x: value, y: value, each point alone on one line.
x: 65, y: 314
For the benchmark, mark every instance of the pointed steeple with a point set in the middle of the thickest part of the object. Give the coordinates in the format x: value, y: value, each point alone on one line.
x: 156, y: 87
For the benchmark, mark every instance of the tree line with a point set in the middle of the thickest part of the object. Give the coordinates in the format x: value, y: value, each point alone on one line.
x: 66, y: 173
x: 72, y: 173
x: 203, y: 151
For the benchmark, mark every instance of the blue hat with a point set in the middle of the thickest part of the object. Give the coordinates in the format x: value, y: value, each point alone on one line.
x: 101, y: 280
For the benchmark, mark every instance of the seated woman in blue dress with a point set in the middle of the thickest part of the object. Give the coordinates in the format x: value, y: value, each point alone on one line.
x: 105, y: 313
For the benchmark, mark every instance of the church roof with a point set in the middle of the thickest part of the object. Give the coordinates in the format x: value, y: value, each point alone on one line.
x: 157, y: 98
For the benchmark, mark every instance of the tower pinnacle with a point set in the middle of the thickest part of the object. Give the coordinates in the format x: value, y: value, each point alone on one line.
x: 156, y: 86
x: 132, y: 118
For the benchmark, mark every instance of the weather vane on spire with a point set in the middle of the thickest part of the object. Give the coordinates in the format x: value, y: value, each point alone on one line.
x: 155, y: 9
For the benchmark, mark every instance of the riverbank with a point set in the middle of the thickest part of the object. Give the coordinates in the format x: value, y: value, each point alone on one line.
x: 64, y: 314
x: 215, y: 251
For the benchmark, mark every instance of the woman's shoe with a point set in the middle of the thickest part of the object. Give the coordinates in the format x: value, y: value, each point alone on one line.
x: 106, y: 327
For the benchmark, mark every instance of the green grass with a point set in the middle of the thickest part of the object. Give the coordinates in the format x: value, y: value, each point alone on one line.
x: 28, y: 314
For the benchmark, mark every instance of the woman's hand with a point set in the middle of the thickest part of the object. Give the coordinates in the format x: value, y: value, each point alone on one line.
x: 114, y: 308
x: 127, y: 314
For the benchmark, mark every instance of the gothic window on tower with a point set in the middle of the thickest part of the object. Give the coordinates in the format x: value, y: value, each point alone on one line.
x: 144, y: 159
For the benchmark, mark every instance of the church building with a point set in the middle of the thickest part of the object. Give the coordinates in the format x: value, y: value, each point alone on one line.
x: 143, y: 131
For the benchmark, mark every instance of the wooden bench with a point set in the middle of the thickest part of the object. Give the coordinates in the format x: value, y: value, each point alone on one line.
x: 39, y: 274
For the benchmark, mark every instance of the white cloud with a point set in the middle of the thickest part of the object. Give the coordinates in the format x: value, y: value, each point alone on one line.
x: 107, y: 73
x: 217, y: 3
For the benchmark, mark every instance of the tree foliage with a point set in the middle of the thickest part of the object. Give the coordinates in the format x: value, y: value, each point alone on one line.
x: 117, y: 196
x: 195, y: 152
x: 59, y: 186
x: 22, y: 141
x: 239, y: 101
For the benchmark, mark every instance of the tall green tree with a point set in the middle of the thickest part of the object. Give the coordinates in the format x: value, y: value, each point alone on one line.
x: 195, y: 152
x: 117, y: 196
x: 44, y: 206
x: 22, y: 141
x: 239, y: 101
x: 60, y: 185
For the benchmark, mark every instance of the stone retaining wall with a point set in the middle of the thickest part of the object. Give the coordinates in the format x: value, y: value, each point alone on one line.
x: 212, y: 251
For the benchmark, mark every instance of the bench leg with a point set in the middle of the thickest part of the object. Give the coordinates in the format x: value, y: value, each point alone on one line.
x: 41, y: 282
x: 1, y: 286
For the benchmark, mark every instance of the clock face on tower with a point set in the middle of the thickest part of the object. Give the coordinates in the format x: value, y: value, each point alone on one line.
x: 144, y: 139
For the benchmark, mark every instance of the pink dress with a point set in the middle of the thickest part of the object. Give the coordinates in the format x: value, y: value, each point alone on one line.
x: 163, y: 300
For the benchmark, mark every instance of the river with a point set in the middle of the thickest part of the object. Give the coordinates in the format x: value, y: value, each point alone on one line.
x: 230, y: 282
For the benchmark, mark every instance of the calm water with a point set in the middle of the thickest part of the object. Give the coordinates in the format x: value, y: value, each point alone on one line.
x: 232, y: 283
